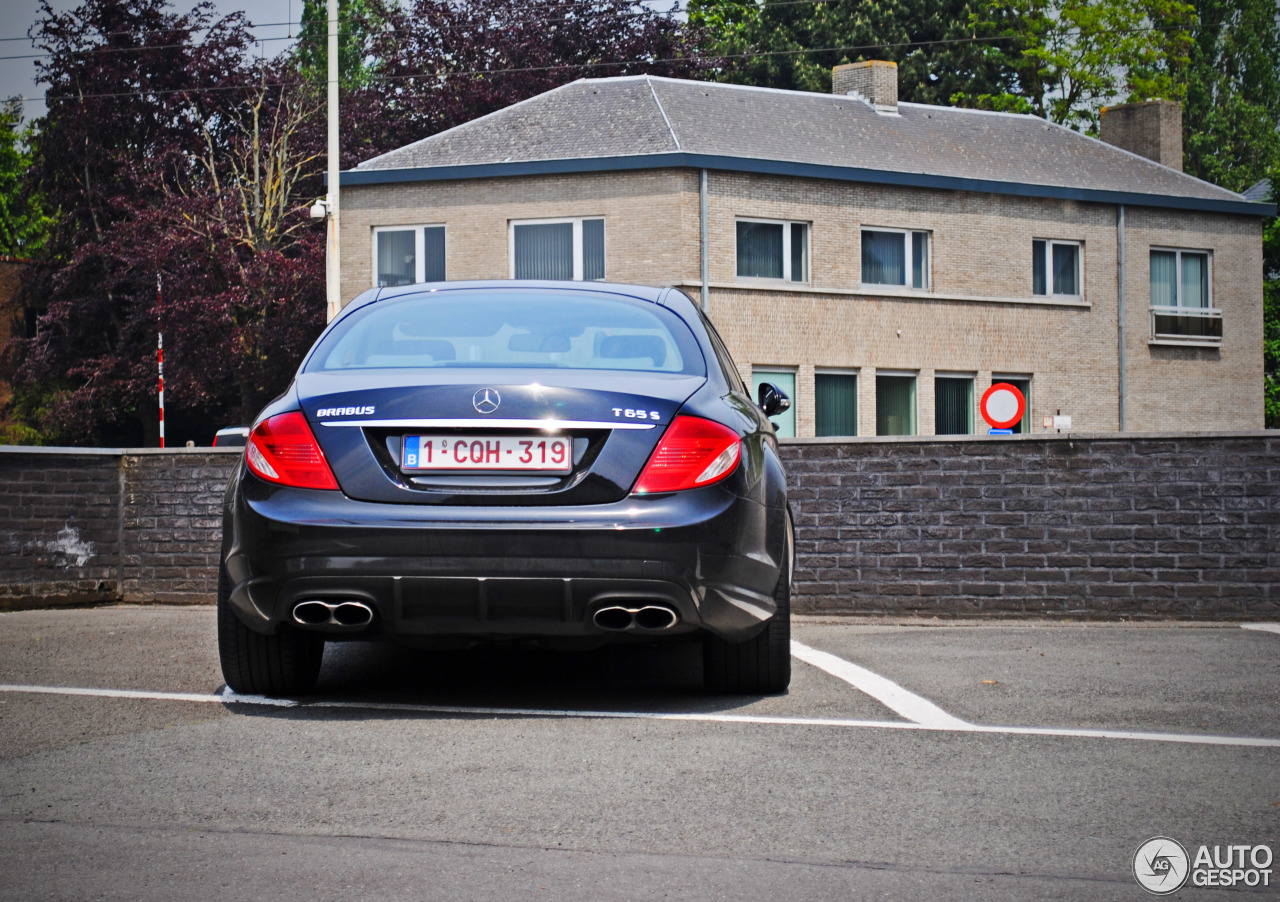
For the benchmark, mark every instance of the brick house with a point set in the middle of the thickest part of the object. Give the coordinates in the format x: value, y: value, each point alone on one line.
x: 883, y: 262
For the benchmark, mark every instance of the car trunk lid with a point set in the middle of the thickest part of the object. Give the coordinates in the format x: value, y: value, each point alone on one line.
x: 606, y: 423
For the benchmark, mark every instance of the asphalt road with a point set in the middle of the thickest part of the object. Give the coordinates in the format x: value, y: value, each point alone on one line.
x: 428, y: 776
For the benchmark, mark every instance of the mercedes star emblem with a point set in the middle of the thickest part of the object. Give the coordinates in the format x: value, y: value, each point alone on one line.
x: 486, y: 400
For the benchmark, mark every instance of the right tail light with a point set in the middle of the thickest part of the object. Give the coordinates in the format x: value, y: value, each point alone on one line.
x: 692, y: 453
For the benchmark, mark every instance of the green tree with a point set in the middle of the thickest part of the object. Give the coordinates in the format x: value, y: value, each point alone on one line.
x: 23, y: 219
x: 795, y: 45
x: 1232, y: 91
x: 1068, y: 58
x: 358, y: 22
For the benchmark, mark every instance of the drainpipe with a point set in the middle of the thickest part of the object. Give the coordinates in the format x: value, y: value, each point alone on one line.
x: 702, y: 225
x: 1120, y: 309
x: 333, y: 277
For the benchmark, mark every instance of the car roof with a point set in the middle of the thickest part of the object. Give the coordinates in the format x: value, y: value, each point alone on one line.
x: 639, y: 292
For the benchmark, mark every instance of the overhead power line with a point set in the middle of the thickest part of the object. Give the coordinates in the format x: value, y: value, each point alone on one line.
x: 343, y: 33
x: 526, y: 5
x: 456, y: 73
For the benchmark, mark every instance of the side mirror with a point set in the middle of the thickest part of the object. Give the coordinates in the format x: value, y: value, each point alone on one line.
x: 772, y: 400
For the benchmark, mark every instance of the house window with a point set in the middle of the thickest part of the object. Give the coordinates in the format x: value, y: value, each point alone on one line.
x: 785, y: 422
x: 835, y: 403
x: 558, y: 249
x: 1055, y: 268
x: 1022, y: 384
x: 773, y: 250
x: 403, y: 255
x: 895, y: 258
x: 1181, y: 307
x: 953, y: 405
x: 895, y: 404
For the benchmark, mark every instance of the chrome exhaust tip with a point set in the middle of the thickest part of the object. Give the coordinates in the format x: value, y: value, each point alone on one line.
x: 649, y: 618
x: 614, y: 619
x: 352, y: 613
x: 342, y: 615
x: 655, y: 617
x: 311, y: 613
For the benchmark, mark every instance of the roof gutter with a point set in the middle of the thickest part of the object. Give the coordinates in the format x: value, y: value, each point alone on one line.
x: 681, y: 159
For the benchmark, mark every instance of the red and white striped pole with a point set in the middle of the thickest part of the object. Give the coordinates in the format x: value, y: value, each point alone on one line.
x: 160, y: 357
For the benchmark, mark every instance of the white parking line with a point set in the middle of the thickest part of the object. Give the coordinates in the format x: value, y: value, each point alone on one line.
x: 137, y: 693
x: 227, y: 697
x: 1266, y: 627
x: 888, y: 693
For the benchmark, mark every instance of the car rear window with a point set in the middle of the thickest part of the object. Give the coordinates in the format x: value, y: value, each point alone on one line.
x: 511, y: 329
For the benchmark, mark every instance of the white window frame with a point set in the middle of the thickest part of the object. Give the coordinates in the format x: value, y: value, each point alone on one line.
x: 576, y: 221
x: 1049, y: 244
x: 900, y: 374
x: 909, y: 264
x: 837, y: 371
x: 786, y: 250
x: 1208, y: 312
x: 972, y: 377
x: 419, y: 248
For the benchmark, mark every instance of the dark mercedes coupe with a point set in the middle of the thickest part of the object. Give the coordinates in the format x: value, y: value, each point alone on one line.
x: 561, y: 462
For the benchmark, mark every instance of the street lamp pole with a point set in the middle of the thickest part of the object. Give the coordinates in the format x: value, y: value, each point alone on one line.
x: 333, y: 283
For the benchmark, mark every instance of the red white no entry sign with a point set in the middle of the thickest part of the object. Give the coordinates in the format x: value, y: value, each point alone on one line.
x: 1002, y: 405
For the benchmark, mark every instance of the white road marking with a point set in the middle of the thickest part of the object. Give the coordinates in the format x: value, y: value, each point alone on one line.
x: 888, y: 693
x: 1266, y: 627
x: 144, y: 694
x: 226, y: 696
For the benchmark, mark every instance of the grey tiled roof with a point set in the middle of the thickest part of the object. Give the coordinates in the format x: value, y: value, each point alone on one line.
x: 1258, y: 191
x: 636, y: 116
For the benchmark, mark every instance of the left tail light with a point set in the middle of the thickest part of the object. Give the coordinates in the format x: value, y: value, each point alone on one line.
x: 283, y: 450
x: 693, y: 452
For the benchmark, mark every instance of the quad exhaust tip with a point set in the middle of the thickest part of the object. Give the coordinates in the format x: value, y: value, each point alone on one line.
x: 339, y: 615
x: 649, y: 618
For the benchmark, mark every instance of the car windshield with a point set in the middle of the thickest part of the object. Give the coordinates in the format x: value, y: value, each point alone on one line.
x: 514, y: 328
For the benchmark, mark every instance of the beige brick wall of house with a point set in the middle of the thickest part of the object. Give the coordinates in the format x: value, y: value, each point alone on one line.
x: 649, y: 217
x: 1173, y: 388
x: 979, y: 316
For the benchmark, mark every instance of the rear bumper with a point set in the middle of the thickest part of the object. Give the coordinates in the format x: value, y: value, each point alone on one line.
x: 711, y: 555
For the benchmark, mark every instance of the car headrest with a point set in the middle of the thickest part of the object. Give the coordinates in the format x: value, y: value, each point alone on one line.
x: 621, y: 347
x: 433, y: 349
x: 544, y: 343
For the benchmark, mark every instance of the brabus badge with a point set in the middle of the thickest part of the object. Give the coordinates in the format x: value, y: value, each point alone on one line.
x: 346, y: 411
x: 486, y: 400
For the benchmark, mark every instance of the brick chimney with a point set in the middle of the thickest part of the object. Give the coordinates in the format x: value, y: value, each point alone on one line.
x: 874, y: 81
x: 1152, y: 129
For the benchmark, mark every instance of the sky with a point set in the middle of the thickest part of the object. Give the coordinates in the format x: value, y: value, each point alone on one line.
x: 17, y: 76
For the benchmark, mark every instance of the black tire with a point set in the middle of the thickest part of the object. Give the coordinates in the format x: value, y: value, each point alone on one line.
x: 287, y: 663
x: 762, y: 664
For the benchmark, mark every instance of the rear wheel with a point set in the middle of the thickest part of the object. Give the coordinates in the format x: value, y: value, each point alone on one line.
x: 287, y: 663
x: 761, y: 665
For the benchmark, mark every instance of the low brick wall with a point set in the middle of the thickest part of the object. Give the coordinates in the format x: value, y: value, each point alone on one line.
x: 1105, y: 526
x: 1168, y: 525
x: 100, y: 524
x: 61, y: 527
